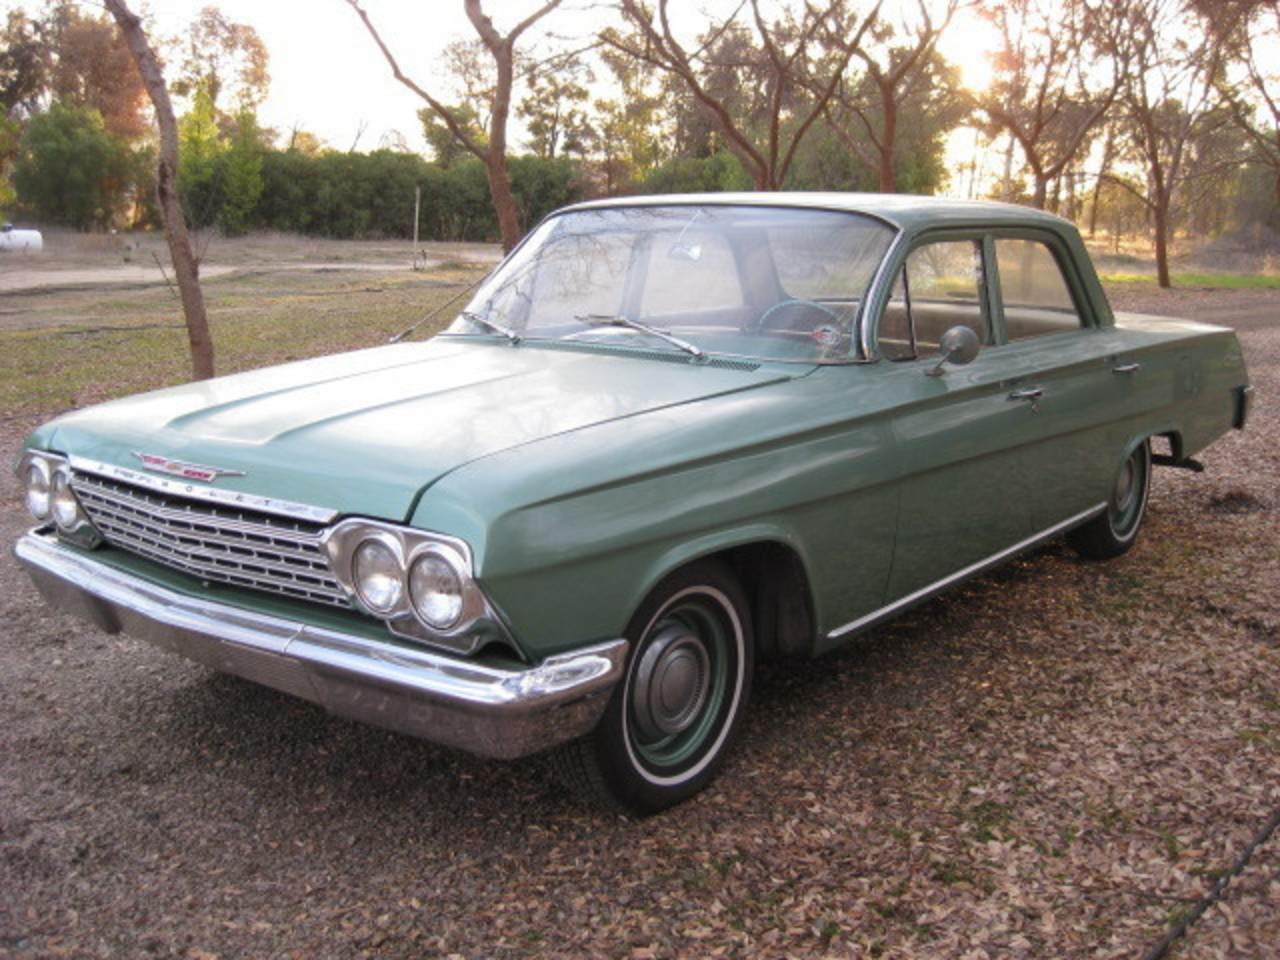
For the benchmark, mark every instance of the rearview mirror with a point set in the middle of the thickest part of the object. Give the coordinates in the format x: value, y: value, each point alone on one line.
x: 686, y: 251
x: 959, y: 345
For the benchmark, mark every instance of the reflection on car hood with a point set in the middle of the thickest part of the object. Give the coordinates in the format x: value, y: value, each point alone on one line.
x: 364, y: 433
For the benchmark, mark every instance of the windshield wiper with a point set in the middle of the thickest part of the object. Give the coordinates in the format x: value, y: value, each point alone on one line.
x: 607, y: 320
x: 488, y: 324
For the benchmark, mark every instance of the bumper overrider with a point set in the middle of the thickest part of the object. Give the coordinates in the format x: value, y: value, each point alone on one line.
x: 489, y: 711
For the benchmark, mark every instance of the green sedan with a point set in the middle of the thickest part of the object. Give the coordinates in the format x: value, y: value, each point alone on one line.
x: 667, y: 437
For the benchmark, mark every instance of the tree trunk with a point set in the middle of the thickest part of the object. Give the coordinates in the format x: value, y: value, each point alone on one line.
x: 1041, y: 196
x: 1006, y: 184
x: 502, y: 49
x: 1103, y: 169
x: 504, y: 200
x: 888, y: 183
x: 1160, y: 215
x: 185, y: 267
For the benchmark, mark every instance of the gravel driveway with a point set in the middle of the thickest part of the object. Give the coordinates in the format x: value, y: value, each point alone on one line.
x: 1057, y: 760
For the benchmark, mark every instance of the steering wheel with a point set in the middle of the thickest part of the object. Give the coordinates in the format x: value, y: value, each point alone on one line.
x: 796, y: 307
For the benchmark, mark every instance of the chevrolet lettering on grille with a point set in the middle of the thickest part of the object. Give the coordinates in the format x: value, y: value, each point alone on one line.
x: 188, y: 471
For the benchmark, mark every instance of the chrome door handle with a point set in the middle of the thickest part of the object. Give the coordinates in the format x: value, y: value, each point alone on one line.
x: 1029, y: 393
x: 1127, y: 368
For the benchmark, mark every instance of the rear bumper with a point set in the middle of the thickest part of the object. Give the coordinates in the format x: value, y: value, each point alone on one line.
x: 483, y: 710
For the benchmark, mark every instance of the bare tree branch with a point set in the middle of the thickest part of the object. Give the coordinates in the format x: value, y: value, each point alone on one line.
x: 783, y: 74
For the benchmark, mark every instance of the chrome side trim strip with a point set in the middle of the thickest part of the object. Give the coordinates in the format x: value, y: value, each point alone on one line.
x: 490, y: 711
x: 924, y: 593
x: 187, y: 488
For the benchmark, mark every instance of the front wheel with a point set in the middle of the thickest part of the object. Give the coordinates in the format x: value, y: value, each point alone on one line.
x: 671, y: 720
x: 1113, y: 532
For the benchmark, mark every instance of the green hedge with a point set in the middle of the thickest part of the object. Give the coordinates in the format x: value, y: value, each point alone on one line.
x: 365, y: 195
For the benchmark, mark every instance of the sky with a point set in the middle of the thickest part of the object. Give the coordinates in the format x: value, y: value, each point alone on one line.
x: 329, y: 78
x: 327, y: 75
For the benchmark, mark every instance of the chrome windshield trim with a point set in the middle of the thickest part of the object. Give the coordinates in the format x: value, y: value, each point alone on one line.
x: 195, y: 491
x: 877, y: 296
x: 487, y: 710
x: 924, y: 593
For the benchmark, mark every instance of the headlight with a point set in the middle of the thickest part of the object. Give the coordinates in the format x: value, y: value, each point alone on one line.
x: 418, y: 581
x: 435, y: 587
x: 63, y: 503
x: 378, y: 576
x: 38, y: 482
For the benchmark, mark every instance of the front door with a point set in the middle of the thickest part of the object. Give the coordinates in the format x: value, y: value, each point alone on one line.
x: 961, y: 488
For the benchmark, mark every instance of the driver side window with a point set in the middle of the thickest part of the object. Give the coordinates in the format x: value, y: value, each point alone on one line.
x: 939, y: 287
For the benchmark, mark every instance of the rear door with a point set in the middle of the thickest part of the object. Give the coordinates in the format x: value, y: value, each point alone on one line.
x: 1069, y: 373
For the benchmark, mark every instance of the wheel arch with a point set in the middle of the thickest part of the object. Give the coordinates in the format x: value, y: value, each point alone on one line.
x: 772, y: 570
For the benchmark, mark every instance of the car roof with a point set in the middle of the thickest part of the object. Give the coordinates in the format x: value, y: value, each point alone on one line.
x: 906, y: 211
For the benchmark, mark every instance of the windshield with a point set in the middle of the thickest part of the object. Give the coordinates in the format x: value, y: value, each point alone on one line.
x: 776, y: 283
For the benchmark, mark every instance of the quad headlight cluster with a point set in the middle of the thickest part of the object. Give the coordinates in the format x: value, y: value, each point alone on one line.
x: 47, y: 482
x: 420, y: 583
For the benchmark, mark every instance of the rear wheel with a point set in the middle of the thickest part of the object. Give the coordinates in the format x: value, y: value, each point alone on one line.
x: 1114, y: 531
x: 672, y: 719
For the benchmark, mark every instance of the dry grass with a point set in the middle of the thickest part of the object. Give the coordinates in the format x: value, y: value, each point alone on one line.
x: 78, y: 345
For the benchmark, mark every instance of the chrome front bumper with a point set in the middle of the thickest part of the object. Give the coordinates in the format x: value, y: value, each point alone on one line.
x: 483, y: 710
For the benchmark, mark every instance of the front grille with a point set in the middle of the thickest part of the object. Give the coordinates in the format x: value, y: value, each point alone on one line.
x: 214, y: 542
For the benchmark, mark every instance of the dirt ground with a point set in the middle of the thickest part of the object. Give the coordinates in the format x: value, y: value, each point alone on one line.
x: 69, y: 250
x: 76, y: 267
x: 1059, y: 760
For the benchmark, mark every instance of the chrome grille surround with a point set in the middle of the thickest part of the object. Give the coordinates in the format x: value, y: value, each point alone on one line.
x: 232, y: 538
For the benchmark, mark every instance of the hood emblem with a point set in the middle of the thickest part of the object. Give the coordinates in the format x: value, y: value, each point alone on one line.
x: 179, y: 468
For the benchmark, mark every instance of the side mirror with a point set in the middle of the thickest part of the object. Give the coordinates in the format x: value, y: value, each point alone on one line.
x: 959, y: 345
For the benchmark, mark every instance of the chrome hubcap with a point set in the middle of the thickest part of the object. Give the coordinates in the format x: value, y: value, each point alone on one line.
x: 671, y: 683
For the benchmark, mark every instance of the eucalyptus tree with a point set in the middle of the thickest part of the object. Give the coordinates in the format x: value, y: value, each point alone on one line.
x: 1170, y: 102
x: 1057, y: 70
x: 90, y: 66
x: 185, y: 266
x: 492, y: 152
x: 226, y: 59
x: 898, y: 71
x: 632, y: 129
x: 24, y: 63
x: 556, y: 111
x: 763, y: 83
x: 24, y: 73
x: 1250, y: 82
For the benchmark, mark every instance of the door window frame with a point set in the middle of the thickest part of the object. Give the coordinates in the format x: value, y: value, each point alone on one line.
x: 990, y: 287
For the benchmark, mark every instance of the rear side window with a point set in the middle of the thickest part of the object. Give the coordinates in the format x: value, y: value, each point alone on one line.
x: 1037, y: 300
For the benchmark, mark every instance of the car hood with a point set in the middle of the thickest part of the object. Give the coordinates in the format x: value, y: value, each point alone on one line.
x: 366, y: 432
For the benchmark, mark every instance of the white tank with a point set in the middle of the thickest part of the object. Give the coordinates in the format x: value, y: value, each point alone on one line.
x: 11, y: 238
